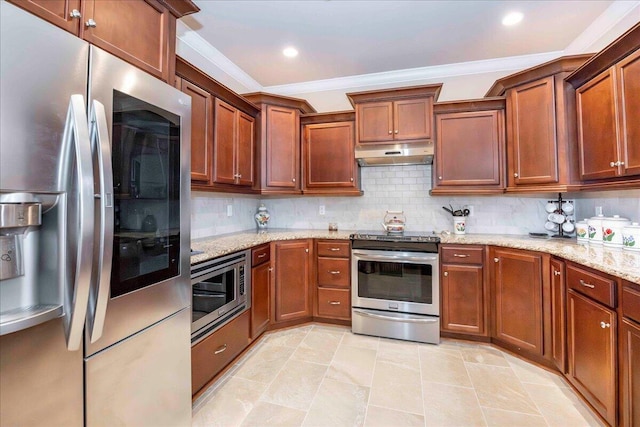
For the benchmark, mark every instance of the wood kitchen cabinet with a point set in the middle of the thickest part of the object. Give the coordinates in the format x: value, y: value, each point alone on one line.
x: 464, y: 296
x: 201, y: 131
x: 591, y: 325
x: 291, y: 290
x: 469, y: 150
x: 398, y: 115
x: 558, y: 315
x: 328, y: 155
x: 260, y: 289
x: 542, y: 153
x: 333, y: 280
x: 629, y: 355
x: 141, y: 32
x: 279, y: 146
x: 520, y: 291
x: 233, y: 143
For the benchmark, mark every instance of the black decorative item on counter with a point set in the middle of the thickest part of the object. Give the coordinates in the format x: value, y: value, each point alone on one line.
x: 560, y: 216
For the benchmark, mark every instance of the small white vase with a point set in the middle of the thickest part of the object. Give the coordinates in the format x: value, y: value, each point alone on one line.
x: 262, y: 217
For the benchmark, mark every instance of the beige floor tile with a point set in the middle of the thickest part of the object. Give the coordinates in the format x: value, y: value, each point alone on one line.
x: 288, y: 337
x: 484, y: 355
x: 396, y: 387
x: 268, y: 414
x: 338, y: 404
x: 296, y: 385
x: 529, y: 373
x: 384, y: 417
x: 443, y: 367
x: 447, y: 405
x: 361, y: 341
x: 498, y: 387
x: 500, y: 418
x: 353, y: 365
x: 559, y: 406
x: 265, y: 364
x: 318, y: 346
x: 408, y: 357
x: 338, y: 329
x: 229, y: 405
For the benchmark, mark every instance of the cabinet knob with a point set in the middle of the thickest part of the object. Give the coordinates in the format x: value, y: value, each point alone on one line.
x: 351, y: 179
x: 334, y: 302
x: 515, y: 175
x: 390, y: 132
x: 496, y: 260
x: 270, y: 268
x: 605, y: 325
x: 91, y: 23
x: 556, y: 273
x: 440, y: 177
x: 220, y: 349
x: 612, y: 164
x: 293, y: 180
x: 75, y: 14
x: 396, y: 131
x: 306, y: 250
x: 620, y: 163
x: 446, y: 273
x: 237, y: 175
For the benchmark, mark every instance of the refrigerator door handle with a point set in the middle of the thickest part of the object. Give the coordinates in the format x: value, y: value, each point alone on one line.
x: 101, y: 283
x: 77, y: 147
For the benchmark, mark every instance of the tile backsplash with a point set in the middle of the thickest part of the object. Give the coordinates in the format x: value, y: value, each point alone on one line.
x: 404, y: 188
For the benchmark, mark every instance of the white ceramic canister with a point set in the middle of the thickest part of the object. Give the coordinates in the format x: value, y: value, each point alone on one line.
x: 582, y: 231
x: 612, y: 230
x: 631, y: 237
x: 595, y: 229
x: 459, y: 224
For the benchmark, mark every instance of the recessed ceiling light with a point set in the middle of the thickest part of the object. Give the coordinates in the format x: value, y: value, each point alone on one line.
x: 290, y: 52
x: 512, y: 18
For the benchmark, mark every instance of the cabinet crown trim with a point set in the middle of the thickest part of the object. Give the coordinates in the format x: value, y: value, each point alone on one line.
x: 395, y: 94
x: 281, y: 101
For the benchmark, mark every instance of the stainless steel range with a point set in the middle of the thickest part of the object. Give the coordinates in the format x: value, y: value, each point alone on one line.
x: 395, y: 285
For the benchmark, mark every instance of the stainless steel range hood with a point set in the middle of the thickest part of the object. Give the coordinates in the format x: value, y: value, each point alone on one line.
x: 420, y: 153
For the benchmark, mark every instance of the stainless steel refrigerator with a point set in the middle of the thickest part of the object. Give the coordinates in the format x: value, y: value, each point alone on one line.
x: 94, y: 235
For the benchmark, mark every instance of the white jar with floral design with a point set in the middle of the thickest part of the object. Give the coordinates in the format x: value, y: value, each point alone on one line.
x: 582, y: 231
x: 595, y: 229
x: 612, y: 230
x: 631, y: 237
x: 262, y: 217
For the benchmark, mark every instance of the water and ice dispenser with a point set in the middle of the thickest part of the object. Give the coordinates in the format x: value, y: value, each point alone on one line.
x: 16, y: 220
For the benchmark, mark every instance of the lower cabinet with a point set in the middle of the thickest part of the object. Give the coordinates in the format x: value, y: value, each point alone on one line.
x: 212, y: 354
x: 260, y: 290
x: 333, y: 280
x: 558, y: 315
x: 629, y: 356
x: 291, y: 293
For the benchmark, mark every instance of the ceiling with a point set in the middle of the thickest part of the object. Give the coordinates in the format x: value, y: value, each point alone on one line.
x: 346, y: 38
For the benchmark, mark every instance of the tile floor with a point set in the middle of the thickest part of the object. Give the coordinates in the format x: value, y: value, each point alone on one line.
x: 322, y: 375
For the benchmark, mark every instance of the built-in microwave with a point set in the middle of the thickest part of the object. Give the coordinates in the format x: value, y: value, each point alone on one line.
x: 220, y: 292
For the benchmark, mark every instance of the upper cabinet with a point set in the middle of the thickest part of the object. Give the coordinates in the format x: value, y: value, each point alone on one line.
x: 542, y: 152
x: 608, y: 101
x: 328, y: 157
x: 394, y: 115
x: 141, y: 32
x: 233, y: 143
x: 469, y: 151
x: 278, y: 168
x: 201, y: 131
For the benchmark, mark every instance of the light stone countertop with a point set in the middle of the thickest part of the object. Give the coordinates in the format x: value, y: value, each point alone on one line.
x: 617, y: 262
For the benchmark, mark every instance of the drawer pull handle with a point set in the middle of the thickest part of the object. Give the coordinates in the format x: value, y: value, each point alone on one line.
x: 587, y: 285
x: 334, y: 302
x: 605, y: 325
x: 556, y: 273
x: 334, y: 272
x: 220, y: 349
x: 334, y: 249
x: 262, y: 255
x: 460, y: 256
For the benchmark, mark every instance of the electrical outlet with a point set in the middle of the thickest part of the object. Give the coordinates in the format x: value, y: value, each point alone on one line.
x: 470, y: 207
x: 321, y: 211
x: 229, y: 210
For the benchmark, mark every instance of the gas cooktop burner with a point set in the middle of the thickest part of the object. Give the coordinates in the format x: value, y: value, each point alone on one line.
x: 395, y: 237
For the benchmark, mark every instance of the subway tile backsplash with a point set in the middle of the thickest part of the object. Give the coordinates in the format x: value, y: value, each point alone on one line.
x: 404, y: 188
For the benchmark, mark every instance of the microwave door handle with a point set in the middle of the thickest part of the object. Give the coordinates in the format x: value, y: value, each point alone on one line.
x: 77, y: 147
x: 102, y: 150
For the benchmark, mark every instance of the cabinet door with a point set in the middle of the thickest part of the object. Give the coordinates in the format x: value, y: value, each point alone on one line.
x: 375, y: 121
x: 136, y: 31
x: 223, y: 142
x: 260, y: 300
x: 468, y: 148
x: 597, y: 130
x: 558, y: 315
x: 283, y: 147
x: 531, y: 137
x: 412, y: 119
x: 58, y: 12
x: 630, y: 373
x: 245, y: 149
x: 329, y: 155
x: 628, y: 73
x: 517, y: 282
x: 463, y: 299
x: 591, y: 345
x: 292, y: 270
x: 201, y: 131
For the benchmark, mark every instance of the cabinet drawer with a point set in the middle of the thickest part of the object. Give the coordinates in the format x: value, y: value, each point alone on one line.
x: 335, y: 303
x: 333, y: 272
x: 598, y: 287
x: 209, y: 356
x: 631, y: 302
x: 334, y: 248
x: 260, y: 254
x: 463, y: 254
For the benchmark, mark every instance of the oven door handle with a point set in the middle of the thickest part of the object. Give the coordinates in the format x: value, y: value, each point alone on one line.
x: 396, y: 319
x: 368, y: 257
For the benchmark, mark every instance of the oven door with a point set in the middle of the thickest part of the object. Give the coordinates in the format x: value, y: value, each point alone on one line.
x: 395, y: 281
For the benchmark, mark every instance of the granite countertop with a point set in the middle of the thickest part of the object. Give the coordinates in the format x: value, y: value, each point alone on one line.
x: 617, y: 262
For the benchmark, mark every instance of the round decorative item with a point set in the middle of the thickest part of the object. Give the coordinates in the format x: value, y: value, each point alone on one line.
x: 612, y: 230
x: 631, y: 237
x: 595, y: 229
x: 262, y: 217
x: 459, y: 224
x: 582, y: 231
